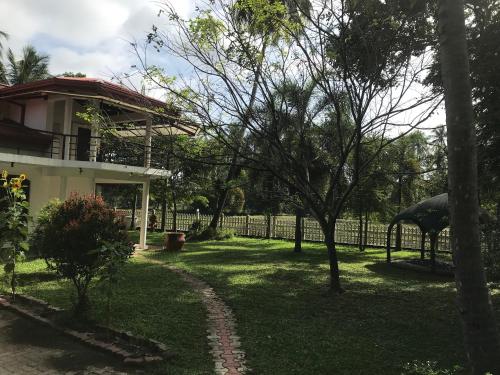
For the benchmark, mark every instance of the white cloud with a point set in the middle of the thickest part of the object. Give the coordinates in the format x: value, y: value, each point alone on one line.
x: 90, y: 36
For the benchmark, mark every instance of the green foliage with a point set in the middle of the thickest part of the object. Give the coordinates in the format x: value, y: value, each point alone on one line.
x: 206, y: 30
x: 73, y: 75
x: 235, y: 200
x: 429, y: 368
x: 32, y: 66
x: 43, y: 219
x: 199, y: 232
x: 80, y: 239
x: 199, y: 202
x: 116, y: 254
x: 491, y: 253
x: 13, y: 225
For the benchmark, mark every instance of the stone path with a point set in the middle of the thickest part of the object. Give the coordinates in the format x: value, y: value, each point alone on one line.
x: 229, y: 359
x: 28, y: 348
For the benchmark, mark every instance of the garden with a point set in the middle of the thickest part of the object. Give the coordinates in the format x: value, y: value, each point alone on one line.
x: 308, y: 179
x: 287, y: 320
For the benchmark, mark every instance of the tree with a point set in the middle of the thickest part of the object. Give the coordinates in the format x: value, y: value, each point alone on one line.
x: 73, y: 75
x: 3, y: 78
x: 365, y: 70
x: 256, y: 19
x: 78, y: 240
x: 479, y: 326
x: 32, y: 66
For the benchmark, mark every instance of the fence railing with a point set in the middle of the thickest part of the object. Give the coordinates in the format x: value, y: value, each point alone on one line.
x: 283, y: 227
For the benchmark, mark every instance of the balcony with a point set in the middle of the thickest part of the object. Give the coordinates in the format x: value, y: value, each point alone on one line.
x: 83, y: 146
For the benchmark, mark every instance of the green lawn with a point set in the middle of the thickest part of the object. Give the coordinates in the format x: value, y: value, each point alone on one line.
x: 288, y: 321
x: 150, y: 302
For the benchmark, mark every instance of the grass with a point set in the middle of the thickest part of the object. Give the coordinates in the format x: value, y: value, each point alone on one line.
x: 290, y: 324
x: 149, y: 302
x: 288, y: 321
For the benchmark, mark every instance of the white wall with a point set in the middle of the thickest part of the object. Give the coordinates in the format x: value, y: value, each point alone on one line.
x: 44, y: 188
x: 36, y: 114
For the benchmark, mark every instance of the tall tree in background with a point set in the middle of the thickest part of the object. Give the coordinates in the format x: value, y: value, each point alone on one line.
x: 480, y: 331
x: 3, y: 77
x: 256, y: 19
x: 32, y: 66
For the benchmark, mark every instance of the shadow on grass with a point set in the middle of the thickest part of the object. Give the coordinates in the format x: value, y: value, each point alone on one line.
x: 148, y: 301
x: 56, y: 353
x: 25, y: 279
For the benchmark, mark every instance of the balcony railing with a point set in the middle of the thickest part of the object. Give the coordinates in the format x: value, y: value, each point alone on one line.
x: 82, y: 147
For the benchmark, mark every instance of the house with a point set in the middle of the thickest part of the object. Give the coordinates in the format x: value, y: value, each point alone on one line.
x: 44, y: 134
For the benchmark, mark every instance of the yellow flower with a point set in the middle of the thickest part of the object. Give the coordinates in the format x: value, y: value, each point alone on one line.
x: 4, y: 174
x: 15, y: 183
x: 22, y: 177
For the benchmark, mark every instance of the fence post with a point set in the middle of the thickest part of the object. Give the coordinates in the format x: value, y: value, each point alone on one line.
x: 198, y: 214
x: 273, y: 229
x: 247, y: 225
x: 268, y: 226
x: 221, y: 222
x: 303, y: 225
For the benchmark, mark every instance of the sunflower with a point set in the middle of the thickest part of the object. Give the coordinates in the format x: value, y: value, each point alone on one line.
x: 23, y: 177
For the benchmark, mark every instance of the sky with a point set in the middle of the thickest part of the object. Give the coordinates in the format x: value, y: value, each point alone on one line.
x: 88, y: 36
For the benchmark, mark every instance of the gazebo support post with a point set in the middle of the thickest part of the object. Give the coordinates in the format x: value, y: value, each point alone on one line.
x: 433, y: 237
x: 389, y: 230
x: 422, y: 246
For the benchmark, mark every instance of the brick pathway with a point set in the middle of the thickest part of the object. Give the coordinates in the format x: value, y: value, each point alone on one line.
x: 229, y: 359
x: 27, y: 348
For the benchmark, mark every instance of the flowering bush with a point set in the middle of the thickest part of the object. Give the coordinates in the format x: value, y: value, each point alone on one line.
x: 78, y: 239
x: 13, y: 225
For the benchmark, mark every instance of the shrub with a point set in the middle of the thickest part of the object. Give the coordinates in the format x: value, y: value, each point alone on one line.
x: 78, y: 239
x: 491, y: 254
x: 428, y: 368
x: 38, y: 233
x: 199, y: 232
x: 235, y: 201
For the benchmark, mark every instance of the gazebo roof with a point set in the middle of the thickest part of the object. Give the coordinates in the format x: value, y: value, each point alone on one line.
x: 431, y: 215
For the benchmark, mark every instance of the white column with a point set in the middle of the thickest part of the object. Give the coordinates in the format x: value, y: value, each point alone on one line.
x: 94, y: 133
x: 68, y: 118
x: 147, y: 142
x: 144, y: 214
x: 49, y: 126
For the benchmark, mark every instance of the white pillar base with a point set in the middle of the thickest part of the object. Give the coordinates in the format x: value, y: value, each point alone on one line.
x: 144, y: 215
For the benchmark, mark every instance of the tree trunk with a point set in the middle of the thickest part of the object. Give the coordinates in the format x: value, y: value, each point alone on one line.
x: 233, y: 173
x: 134, y: 205
x: 163, y: 213
x: 328, y: 231
x: 298, y: 231
x: 479, y: 326
x: 365, y: 240
x: 399, y: 228
x: 360, y: 239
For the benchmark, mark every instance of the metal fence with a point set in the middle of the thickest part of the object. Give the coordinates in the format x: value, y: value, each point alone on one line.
x: 283, y: 227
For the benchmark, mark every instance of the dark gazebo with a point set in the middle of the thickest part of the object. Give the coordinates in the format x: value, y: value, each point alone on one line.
x: 431, y: 216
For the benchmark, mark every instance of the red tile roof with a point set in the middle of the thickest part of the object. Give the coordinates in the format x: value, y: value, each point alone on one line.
x: 81, y: 86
